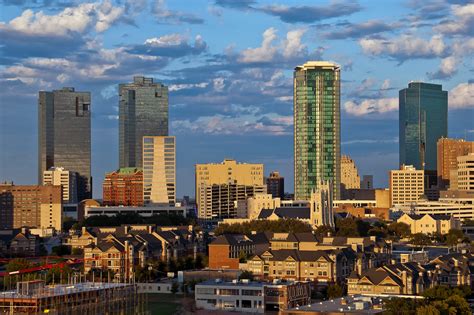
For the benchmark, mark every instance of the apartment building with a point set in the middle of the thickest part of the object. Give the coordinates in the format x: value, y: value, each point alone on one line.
x: 123, y: 187
x: 430, y: 223
x: 448, y: 151
x: 406, y: 185
x: 59, y: 176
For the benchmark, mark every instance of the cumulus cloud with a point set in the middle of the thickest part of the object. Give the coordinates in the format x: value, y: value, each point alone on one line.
x: 461, y: 96
x: 171, y: 45
x: 447, y: 68
x: 404, y: 47
x: 184, y: 86
x: 371, y: 106
x: 288, y: 48
x: 309, y: 14
x: 235, y: 4
x: 461, y: 23
x: 358, y: 30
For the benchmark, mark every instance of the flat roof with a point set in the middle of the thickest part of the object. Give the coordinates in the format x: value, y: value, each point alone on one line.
x: 337, y: 306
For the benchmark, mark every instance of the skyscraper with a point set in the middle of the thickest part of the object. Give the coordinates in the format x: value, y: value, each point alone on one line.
x: 448, y: 152
x: 317, y: 145
x: 143, y: 111
x: 64, y: 135
x: 423, y: 119
x: 276, y: 185
x: 159, y: 170
x: 67, y: 180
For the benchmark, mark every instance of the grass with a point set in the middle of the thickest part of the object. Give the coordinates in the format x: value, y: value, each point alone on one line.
x: 163, y: 304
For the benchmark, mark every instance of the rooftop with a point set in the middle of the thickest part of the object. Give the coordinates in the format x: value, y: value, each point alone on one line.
x: 344, y: 305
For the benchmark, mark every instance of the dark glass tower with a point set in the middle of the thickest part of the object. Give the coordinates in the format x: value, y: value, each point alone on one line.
x: 64, y: 135
x: 143, y: 111
x: 423, y: 119
x: 317, y: 136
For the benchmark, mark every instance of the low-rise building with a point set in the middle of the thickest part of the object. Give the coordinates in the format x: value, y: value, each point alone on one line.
x: 430, y: 223
x: 251, y: 297
x: 461, y: 209
x: 146, y: 211
x: 351, y: 304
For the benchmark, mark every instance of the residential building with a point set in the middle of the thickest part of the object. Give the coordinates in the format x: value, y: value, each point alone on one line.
x: 423, y: 120
x: 143, y: 111
x: 430, y: 223
x: 67, y: 180
x: 276, y: 185
x: 399, y: 279
x: 64, y: 135
x: 30, y: 206
x: 350, y: 178
x: 406, y: 185
x: 367, y: 182
x: 250, y: 296
x: 317, y: 135
x: 220, y: 186
x: 159, y: 170
x: 227, y: 250
x: 123, y: 187
x: 364, y: 212
x: 448, y: 151
x: 23, y: 244
x: 465, y: 173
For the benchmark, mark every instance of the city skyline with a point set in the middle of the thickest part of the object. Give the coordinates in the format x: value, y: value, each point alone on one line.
x: 233, y: 101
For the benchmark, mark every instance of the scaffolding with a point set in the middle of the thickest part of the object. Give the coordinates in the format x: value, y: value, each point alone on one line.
x: 86, y: 298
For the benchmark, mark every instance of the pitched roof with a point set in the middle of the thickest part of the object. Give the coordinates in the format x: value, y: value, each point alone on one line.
x: 231, y: 239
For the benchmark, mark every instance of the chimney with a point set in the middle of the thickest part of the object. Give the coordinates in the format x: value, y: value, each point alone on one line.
x: 83, y: 231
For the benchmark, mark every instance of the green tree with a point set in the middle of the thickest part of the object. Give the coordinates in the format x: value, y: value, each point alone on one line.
x: 276, y: 226
x: 335, y: 291
x: 18, y: 264
x: 399, y: 306
x: 420, y: 239
x: 427, y: 310
x: 246, y: 275
x: 324, y: 230
x: 174, y: 287
x: 454, y: 236
x: 199, y: 262
x: 77, y: 251
x: 459, y: 304
x: 347, y: 227
x: 61, y: 250
x: 399, y: 229
x: 189, y: 263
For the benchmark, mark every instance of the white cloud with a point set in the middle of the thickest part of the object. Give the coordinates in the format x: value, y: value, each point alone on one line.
x: 371, y: 106
x: 404, y: 47
x: 463, y: 22
x: 264, y: 53
x: 386, y: 84
x: 292, y: 45
x: 447, y: 68
x: 461, y: 96
x: 178, y: 87
x: 79, y: 19
x: 219, y: 84
x: 166, y: 40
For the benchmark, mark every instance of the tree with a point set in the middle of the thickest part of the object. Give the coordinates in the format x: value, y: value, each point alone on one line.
x: 276, y: 226
x: 324, y: 230
x: 246, y: 275
x: 420, y: 239
x: 459, y: 304
x: 453, y: 237
x: 347, y: 227
x: 399, y: 306
x: 335, y: 291
x: 399, y: 229
x: 199, y: 262
x: 18, y: 264
x: 427, y: 310
x: 77, y: 251
x: 61, y: 250
x: 174, y: 287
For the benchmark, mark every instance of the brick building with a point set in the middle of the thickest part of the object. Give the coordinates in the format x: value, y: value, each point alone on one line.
x: 123, y: 187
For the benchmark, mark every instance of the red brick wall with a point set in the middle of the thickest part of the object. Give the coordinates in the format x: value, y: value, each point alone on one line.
x: 219, y: 258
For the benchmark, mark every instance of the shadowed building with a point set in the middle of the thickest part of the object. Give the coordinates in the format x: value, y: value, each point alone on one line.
x: 64, y: 135
x: 143, y: 111
x: 317, y: 145
x: 276, y: 185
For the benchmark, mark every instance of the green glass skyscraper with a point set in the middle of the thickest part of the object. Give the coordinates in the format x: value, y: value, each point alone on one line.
x: 317, y: 132
x: 423, y: 119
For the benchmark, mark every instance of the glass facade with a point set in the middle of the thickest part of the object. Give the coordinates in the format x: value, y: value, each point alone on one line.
x: 423, y: 120
x: 317, y: 152
x: 143, y: 111
x: 64, y: 135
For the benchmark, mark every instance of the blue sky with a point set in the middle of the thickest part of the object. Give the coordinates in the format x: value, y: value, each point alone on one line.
x: 228, y: 65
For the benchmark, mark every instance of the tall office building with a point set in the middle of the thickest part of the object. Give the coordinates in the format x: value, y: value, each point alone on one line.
x: 123, y: 187
x: 143, y: 111
x: 220, y: 186
x: 30, y: 206
x: 66, y: 179
x: 276, y: 185
x: 367, y: 182
x: 423, y: 120
x: 159, y: 170
x: 448, y: 152
x: 407, y: 185
x: 463, y: 176
x: 64, y: 135
x: 317, y: 145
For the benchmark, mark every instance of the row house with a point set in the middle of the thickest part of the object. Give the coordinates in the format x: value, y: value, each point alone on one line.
x: 412, y: 278
x: 430, y: 223
x: 320, y: 266
x: 19, y: 243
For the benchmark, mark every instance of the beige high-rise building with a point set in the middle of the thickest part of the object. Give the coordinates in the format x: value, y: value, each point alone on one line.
x: 406, y: 185
x: 448, y: 152
x: 321, y: 205
x: 159, y: 170
x: 350, y: 178
x: 465, y: 172
x: 220, y: 186
x: 66, y: 179
x: 32, y: 206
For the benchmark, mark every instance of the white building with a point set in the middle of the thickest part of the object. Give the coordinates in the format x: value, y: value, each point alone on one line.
x: 458, y: 208
x: 406, y: 185
x: 65, y: 178
x: 148, y: 211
